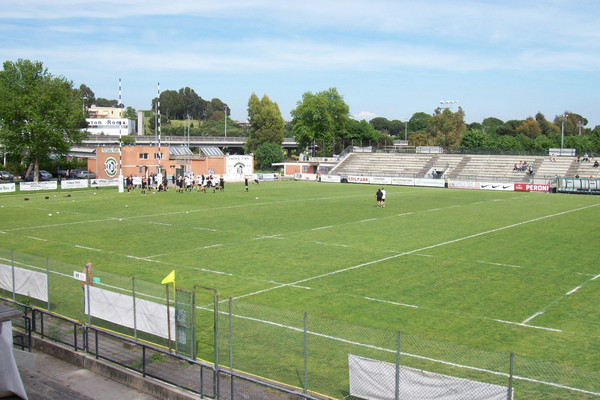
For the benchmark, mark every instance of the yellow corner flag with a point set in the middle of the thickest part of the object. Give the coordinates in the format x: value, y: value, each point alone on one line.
x: 169, y: 278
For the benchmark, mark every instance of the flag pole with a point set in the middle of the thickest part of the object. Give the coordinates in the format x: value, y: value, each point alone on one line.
x: 168, y: 317
x: 168, y: 279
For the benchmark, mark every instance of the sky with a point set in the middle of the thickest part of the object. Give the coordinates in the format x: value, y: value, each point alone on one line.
x: 508, y: 59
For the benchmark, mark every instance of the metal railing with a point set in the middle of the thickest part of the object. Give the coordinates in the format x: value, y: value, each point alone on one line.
x: 195, y: 376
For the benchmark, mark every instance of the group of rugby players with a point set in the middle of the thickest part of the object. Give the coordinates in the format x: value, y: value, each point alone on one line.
x: 201, y: 183
x: 182, y: 183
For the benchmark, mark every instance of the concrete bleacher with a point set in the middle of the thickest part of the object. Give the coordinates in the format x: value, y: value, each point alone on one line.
x: 382, y: 164
x: 552, y: 167
x: 497, y: 168
x: 492, y: 167
x: 586, y: 169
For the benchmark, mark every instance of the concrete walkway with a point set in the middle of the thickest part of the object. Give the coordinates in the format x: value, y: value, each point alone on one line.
x: 50, y: 378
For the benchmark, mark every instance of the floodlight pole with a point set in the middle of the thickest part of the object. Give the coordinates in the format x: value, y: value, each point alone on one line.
x: 120, y: 184
x: 225, y: 121
x: 562, y: 133
x: 158, y: 116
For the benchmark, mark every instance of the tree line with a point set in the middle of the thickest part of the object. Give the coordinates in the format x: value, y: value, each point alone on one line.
x: 532, y: 135
x: 42, y: 115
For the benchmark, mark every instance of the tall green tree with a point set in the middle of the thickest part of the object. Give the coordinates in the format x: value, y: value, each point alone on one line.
x: 363, y: 133
x: 88, y: 96
x: 130, y: 113
x: 320, y: 118
x: 102, y: 102
x: 419, y: 122
x: 40, y: 114
x: 475, y: 139
x: 546, y: 127
x: 268, y: 153
x: 397, y: 128
x: 448, y: 127
x: 266, y: 123
x: 190, y: 103
x: 491, y: 124
x: 509, y: 128
x: 381, y: 124
x: 530, y: 128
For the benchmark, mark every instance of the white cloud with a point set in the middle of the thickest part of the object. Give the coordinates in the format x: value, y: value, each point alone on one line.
x: 366, y: 115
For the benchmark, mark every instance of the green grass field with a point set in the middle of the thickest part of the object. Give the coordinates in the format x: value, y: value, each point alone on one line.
x: 493, y: 271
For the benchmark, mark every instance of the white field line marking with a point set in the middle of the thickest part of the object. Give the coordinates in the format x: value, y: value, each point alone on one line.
x: 86, y: 248
x: 561, y: 298
x: 247, y: 205
x: 142, y: 259
x: 434, y: 209
x: 37, y: 238
x: 395, y: 351
x: 277, y: 236
x: 332, y: 244
x: 574, y: 290
x: 159, y: 223
x: 406, y: 213
x: 205, y: 229
x: 63, y: 224
x: 155, y: 255
x: 214, y: 272
x: 391, y: 302
x: 368, y: 220
x: 467, y: 260
x: 418, y: 250
x: 322, y: 227
x: 210, y: 246
x: 528, y: 325
x: 302, y: 287
x: 532, y: 317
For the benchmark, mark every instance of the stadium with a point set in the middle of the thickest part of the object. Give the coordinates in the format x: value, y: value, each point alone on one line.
x: 310, y: 288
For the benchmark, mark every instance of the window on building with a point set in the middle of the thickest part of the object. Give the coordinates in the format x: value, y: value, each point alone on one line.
x: 143, y: 156
x: 158, y: 156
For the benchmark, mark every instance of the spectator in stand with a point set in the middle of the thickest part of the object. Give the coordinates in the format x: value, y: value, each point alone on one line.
x: 596, y: 164
x: 585, y: 157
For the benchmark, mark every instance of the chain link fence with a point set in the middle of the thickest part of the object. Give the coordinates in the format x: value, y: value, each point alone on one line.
x: 245, y: 343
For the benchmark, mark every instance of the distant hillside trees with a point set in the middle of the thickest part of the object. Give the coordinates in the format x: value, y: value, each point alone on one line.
x: 178, y: 105
x: 531, y: 135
